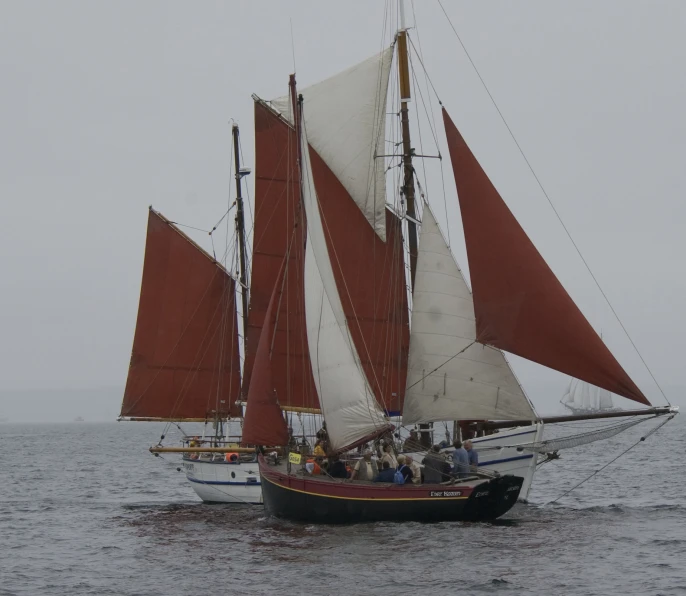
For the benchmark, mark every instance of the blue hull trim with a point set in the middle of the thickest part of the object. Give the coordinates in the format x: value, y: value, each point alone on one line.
x: 479, y: 441
x: 501, y: 461
x: 224, y: 483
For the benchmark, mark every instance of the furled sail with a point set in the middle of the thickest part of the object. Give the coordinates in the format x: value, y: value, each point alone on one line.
x: 450, y: 376
x: 346, y: 122
x: 185, y: 360
x: 520, y: 306
x: 370, y: 273
x: 346, y: 398
x: 263, y: 423
x: 275, y: 235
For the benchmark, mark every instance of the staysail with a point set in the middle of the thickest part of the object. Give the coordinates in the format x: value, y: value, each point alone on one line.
x: 346, y: 122
x: 185, y: 360
x: 346, y: 398
x: 520, y: 305
x: 450, y: 375
x: 264, y: 423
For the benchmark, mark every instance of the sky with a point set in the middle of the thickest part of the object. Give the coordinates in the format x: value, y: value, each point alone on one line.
x: 107, y: 108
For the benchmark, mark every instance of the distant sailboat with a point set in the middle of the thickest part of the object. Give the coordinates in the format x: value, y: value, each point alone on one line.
x: 584, y: 398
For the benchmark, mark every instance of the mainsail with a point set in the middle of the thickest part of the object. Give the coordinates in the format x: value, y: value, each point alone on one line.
x: 278, y: 234
x: 347, y: 400
x: 185, y: 360
x: 521, y: 307
x: 451, y: 376
x: 345, y: 118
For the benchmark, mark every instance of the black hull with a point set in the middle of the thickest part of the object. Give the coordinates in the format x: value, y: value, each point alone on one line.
x: 488, y: 501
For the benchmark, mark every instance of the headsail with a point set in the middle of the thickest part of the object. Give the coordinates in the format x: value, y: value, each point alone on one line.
x: 264, y: 423
x: 521, y: 307
x: 346, y: 398
x: 345, y: 118
x: 185, y: 360
x: 450, y: 376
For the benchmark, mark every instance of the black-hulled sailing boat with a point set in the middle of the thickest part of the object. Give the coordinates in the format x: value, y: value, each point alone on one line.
x: 328, y: 329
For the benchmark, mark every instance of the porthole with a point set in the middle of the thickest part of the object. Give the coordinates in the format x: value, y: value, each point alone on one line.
x: 233, y: 474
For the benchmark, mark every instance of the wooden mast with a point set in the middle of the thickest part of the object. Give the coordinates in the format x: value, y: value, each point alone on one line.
x: 240, y: 226
x: 408, y: 168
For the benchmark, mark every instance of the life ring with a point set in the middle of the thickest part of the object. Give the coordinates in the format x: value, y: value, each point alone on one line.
x: 232, y: 458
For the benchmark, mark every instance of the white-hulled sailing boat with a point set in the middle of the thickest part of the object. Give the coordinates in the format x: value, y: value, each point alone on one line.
x: 328, y: 327
x: 583, y: 398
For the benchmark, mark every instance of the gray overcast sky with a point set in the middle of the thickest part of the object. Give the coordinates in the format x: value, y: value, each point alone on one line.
x: 109, y: 107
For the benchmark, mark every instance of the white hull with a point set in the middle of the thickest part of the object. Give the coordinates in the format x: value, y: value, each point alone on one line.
x: 224, y: 482
x: 496, y: 456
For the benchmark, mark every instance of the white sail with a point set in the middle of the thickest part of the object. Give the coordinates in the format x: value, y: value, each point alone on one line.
x: 444, y: 382
x: 345, y: 117
x: 583, y: 396
x: 347, y: 401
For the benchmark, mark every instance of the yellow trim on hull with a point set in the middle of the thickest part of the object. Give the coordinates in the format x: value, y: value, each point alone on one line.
x: 304, y: 492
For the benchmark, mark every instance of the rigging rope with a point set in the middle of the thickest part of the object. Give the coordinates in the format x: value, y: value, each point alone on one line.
x: 643, y: 438
x: 559, y: 218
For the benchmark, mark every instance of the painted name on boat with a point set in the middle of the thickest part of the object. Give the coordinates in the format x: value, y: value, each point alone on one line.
x: 446, y: 493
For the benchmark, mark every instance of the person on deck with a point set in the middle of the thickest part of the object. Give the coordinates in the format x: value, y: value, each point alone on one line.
x: 366, y: 468
x: 320, y: 448
x: 473, y: 456
x: 386, y: 474
x: 405, y: 470
x: 337, y: 468
x: 416, y: 470
x: 436, y: 468
x: 460, y: 461
x: 388, y: 456
x: 412, y: 442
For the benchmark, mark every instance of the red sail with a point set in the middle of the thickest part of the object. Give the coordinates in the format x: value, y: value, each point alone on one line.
x: 277, y: 208
x: 185, y: 360
x: 370, y: 273
x: 520, y: 305
x: 264, y: 423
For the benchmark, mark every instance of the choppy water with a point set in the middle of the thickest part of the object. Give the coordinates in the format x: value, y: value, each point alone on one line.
x: 84, y: 509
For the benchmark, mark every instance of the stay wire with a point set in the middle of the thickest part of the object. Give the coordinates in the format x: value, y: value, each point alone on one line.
x: 643, y: 438
x: 550, y: 202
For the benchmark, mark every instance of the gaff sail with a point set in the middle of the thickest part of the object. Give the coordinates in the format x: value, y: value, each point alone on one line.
x: 185, y: 361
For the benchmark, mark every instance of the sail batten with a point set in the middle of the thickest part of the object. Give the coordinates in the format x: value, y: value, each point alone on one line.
x: 450, y: 376
x: 520, y: 305
x: 185, y: 359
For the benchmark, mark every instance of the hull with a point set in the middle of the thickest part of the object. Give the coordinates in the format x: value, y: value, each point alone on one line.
x: 498, y: 454
x: 224, y: 482
x: 319, y: 500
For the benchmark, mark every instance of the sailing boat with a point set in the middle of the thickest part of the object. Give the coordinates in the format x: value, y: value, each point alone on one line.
x: 584, y: 398
x: 330, y: 329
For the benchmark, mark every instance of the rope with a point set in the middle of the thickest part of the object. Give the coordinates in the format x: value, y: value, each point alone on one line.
x: 643, y: 438
x: 550, y: 202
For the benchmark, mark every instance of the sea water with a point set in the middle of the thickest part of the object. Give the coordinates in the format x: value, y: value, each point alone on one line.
x: 85, y: 509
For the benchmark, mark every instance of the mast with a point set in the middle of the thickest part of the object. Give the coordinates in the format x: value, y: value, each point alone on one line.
x: 240, y: 226
x: 408, y: 181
